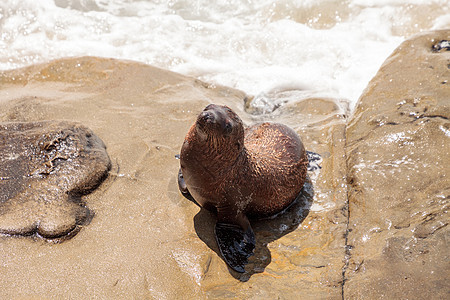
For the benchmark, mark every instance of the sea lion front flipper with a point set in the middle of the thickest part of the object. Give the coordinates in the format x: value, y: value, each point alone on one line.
x: 235, y: 244
x: 183, y: 188
x: 181, y: 183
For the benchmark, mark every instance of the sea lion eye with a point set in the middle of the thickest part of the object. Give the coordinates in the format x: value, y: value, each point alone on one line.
x: 228, y: 127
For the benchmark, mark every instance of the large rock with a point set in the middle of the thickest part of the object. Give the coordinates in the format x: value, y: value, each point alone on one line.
x: 398, y: 149
x: 385, y: 234
x: 145, y: 239
x: 45, y: 168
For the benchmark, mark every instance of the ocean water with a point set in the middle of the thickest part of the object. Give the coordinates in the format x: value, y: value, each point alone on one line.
x: 314, y: 48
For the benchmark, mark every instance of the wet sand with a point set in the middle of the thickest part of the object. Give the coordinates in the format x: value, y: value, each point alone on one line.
x: 146, y: 241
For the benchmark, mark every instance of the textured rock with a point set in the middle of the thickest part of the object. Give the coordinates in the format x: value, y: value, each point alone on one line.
x: 45, y: 167
x: 146, y: 240
x: 398, y: 148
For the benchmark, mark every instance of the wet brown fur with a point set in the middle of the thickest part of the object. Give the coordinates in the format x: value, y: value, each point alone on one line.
x: 257, y: 172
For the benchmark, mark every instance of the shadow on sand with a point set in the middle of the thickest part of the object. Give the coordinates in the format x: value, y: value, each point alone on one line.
x: 266, y: 230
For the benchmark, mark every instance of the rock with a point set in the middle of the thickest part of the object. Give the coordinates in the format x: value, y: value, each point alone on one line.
x: 398, y: 151
x: 45, y: 168
x: 146, y: 239
x: 443, y: 45
x: 376, y: 225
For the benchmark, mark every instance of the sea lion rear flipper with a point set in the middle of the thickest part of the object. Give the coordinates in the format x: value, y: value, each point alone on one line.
x: 235, y: 244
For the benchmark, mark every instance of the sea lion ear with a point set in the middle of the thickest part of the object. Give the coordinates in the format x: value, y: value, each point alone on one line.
x: 235, y: 244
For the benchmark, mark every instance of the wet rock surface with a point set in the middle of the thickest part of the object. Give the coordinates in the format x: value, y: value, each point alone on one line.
x: 45, y: 168
x: 371, y: 221
x: 398, y: 156
x: 146, y: 239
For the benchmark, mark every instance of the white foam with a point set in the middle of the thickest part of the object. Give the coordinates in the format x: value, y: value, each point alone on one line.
x: 322, y: 47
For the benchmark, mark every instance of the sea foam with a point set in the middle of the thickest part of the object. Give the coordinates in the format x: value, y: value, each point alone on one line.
x: 324, y: 48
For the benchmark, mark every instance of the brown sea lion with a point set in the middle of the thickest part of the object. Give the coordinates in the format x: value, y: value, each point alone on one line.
x: 240, y: 173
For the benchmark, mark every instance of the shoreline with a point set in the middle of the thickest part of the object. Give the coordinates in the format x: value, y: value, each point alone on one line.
x: 381, y: 189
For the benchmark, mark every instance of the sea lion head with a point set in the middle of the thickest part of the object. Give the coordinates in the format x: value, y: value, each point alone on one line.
x: 219, y: 125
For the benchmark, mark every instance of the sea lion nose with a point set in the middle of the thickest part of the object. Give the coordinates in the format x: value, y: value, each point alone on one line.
x: 207, y: 116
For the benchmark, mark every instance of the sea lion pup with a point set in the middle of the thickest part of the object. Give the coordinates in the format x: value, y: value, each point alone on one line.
x: 239, y: 173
